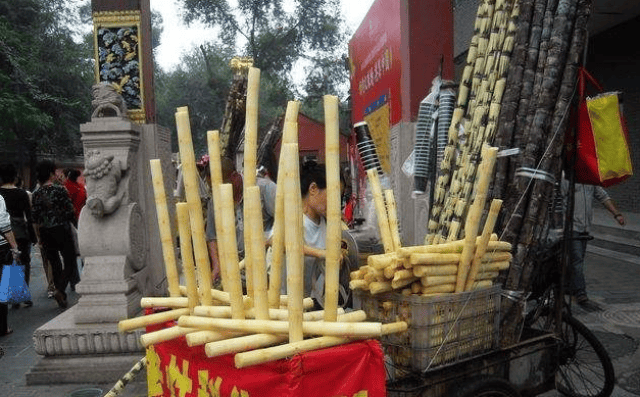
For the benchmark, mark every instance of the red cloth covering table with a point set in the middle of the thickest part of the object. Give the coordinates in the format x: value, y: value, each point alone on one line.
x: 352, y: 370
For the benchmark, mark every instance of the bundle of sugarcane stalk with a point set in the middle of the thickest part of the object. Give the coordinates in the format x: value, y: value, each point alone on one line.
x: 475, y: 118
x: 262, y: 325
x: 233, y: 119
x: 429, y: 270
x: 542, y: 80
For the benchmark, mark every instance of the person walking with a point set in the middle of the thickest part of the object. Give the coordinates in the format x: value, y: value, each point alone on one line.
x: 8, y: 254
x: 19, y: 208
x: 584, y: 197
x: 78, y: 195
x: 53, y: 215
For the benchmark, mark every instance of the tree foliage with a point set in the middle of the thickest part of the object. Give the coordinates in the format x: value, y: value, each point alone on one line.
x: 280, y: 40
x: 45, y: 79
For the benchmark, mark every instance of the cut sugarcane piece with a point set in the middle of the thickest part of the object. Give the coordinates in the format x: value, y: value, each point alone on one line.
x: 429, y: 281
x: 227, y: 237
x: 200, y: 337
x: 164, y: 226
x: 364, y: 329
x: 163, y: 335
x: 151, y: 319
x: 188, y: 267
x: 165, y: 301
x: 255, y: 357
x: 256, y: 245
x: 334, y: 215
x: 190, y: 177
x: 250, y: 342
x: 392, y: 212
x: 381, y: 210
x: 435, y: 270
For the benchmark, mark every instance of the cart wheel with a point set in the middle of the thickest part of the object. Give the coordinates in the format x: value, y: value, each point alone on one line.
x: 487, y: 387
x: 585, y: 367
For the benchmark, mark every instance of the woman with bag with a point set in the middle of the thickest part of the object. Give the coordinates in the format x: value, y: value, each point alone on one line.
x: 8, y: 254
x: 19, y: 209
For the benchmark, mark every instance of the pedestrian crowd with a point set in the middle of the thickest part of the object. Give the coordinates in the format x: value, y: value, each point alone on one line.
x: 46, y: 218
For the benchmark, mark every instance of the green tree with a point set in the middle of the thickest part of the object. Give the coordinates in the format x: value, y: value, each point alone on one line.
x: 45, y: 80
x: 312, y: 33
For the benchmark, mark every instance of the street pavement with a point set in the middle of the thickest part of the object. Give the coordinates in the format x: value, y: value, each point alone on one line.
x: 612, y: 282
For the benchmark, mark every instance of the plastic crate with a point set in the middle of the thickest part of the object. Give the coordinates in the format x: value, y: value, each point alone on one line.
x: 441, y: 330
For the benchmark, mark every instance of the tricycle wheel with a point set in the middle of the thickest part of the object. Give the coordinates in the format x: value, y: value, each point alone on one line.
x: 487, y: 387
x: 585, y: 367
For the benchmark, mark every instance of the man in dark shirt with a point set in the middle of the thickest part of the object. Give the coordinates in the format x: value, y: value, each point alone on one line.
x: 52, y: 214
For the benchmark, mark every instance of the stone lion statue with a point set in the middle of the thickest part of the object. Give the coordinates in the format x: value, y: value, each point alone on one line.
x: 107, y: 102
x: 103, y: 174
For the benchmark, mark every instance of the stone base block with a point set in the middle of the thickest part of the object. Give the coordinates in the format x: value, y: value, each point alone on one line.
x: 98, y: 369
x: 63, y: 337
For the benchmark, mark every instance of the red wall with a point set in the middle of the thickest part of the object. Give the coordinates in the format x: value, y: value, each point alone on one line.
x: 396, y: 53
x: 311, y: 139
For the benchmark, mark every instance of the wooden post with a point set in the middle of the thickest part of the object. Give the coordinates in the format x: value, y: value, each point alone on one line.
x: 164, y: 224
x: 334, y: 216
x: 190, y: 176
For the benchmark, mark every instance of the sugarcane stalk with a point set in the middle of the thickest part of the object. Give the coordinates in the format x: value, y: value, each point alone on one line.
x: 186, y: 251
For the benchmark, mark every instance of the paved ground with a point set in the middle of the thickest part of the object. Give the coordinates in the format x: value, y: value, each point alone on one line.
x: 612, y: 280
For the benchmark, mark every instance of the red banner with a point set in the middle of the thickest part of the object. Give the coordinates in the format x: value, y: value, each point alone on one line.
x: 352, y: 370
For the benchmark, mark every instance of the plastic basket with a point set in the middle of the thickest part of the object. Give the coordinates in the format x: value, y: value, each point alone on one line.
x: 441, y: 330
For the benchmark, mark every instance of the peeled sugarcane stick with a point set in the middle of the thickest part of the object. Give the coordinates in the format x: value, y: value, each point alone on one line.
x: 382, y: 260
x: 164, y: 225
x: 163, y: 335
x: 436, y: 289
x: 381, y: 210
x: 250, y: 342
x: 475, y: 212
x: 277, y: 352
x: 200, y: 337
x: 294, y: 235
x: 390, y: 271
x: 215, y: 171
x: 402, y: 274
x: 223, y: 297
x: 481, y: 248
x: 435, y: 270
x: 494, y: 266
x: 186, y: 251
x: 332, y: 328
x: 397, y: 284
x: 450, y: 247
x: 250, y: 158
x: 487, y: 276
x: 166, y: 302
x: 392, y: 213
x: 430, y: 281
x: 378, y: 287
x: 434, y: 259
x: 289, y: 135
x: 274, y: 314
x: 334, y: 215
x: 140, y: 322
x: 227, y: 237
x: 257, y: 248
x: 496, y: 257
x: 359, y: 284
x: 190, y: 176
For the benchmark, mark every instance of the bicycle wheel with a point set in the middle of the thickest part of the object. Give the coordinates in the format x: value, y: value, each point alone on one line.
x: 585, y: 369
x: 487, y: 387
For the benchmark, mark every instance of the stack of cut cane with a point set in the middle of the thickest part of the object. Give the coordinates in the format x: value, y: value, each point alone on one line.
x: 430, y: 270
x: 263, y: 325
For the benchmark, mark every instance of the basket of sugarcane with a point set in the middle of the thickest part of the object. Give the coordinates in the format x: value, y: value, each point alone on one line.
x: 444, y: 292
